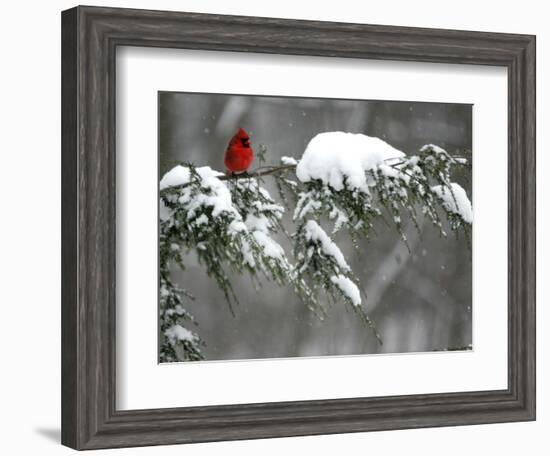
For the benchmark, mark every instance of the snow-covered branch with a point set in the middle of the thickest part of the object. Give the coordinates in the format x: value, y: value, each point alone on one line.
x: 349, y: 180
x: 260, y: 172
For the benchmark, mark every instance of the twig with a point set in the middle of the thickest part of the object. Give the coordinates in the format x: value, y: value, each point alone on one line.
x: 263, y: 171
x: 398, y: 164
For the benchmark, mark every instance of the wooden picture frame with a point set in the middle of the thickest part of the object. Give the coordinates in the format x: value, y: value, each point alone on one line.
x: 90, y: 36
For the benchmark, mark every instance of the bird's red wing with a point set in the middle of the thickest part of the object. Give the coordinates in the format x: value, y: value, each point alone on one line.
x: 232, y: 143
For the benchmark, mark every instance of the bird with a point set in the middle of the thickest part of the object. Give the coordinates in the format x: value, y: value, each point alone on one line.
x: 239, y: 154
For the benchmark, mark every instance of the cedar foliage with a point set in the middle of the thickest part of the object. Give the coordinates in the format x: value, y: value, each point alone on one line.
x: 229, y: 221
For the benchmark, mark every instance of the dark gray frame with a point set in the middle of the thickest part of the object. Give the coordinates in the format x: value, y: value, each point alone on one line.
x: 90, y: 36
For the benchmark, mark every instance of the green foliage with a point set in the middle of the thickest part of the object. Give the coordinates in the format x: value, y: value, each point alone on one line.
x: 172, y: 311
x: 225, y: 237
x: 228, y: 223
x: 397, y: 189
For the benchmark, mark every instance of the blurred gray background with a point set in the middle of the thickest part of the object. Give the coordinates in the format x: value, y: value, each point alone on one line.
x: 419, y: 300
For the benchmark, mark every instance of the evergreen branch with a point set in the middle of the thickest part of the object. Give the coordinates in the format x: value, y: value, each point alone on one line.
x: 231, y: 226
x: 263, y: 171
x: 397, y: 164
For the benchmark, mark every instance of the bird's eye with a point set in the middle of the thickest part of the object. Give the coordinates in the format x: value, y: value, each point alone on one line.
x: 245, y: 142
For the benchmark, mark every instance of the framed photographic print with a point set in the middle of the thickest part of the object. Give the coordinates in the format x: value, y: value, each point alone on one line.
x: 280, y: 228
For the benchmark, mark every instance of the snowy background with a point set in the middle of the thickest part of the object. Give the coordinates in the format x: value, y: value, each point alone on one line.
x: 419, y: 300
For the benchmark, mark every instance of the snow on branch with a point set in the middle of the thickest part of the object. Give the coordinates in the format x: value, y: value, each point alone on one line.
x: 348, y: 288
x: 322, y: 264
x: 346, y: 180
x: 314, y: 234
x: 341, y: 160
x: 455, y: 201
x: 227, y: 224
x: 173, y: 315
x: 352, y: 178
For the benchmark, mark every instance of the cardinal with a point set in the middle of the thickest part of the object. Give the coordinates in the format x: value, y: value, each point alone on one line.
x: 239, y: 154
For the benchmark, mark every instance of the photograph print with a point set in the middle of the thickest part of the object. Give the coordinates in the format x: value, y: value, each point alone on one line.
x: 309, y: 227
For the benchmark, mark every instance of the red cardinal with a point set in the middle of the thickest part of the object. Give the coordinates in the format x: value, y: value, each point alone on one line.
x: 239, y: 154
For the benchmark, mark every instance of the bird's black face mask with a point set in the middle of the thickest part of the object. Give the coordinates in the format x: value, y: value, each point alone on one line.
x: 245, y: 142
